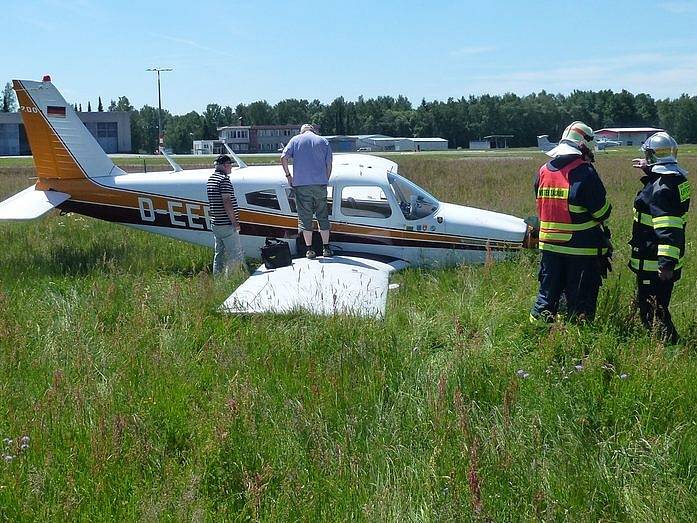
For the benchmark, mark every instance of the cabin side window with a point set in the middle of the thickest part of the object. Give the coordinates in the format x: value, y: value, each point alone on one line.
x: 266, y: 198
x: 365, y: 202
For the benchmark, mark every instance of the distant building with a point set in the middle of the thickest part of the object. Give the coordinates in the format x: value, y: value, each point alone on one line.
x: 342, y: 143
x: 367, y: 142
x: 248, y: 139
x: 209, y: 147
x: 112, y: 130
x: 272, y: 138
x: 380, y: 142
x: 499, y: 141
x: 627, y: 135
x: 480, y: 144
x: 421, y: 144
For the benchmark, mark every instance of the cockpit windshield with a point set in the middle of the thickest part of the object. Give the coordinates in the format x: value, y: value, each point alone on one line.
x: 414, y: 202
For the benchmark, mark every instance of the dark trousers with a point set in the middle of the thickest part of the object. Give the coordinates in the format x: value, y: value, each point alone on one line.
x: 577, y: 277
x: 653, y: 299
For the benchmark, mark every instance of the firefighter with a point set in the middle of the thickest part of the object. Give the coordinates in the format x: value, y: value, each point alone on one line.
x: 658, y: 234
x: 572, y: 207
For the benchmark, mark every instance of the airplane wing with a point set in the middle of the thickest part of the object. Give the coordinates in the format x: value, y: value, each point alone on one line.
x: 30, y: 203
x: 327, y: 286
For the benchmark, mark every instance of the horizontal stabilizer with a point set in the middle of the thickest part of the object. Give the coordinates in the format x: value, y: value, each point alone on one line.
x: 337, y: 285
x: 30, y: 204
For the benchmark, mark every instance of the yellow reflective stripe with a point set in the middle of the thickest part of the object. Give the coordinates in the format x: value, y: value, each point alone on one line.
x: 668, y: 221
x: 580, y: 251
x: 649, y: 265
x: 577, y: 208
x: 557, y: 193
x: 555, y: 236
x: 669, y: 250
x: 557, y: 226
x: 645, y: 218
x: 602, y: 210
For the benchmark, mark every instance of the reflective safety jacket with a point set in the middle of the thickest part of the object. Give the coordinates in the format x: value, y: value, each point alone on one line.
x: 571, y: 205
x: 660, y: 218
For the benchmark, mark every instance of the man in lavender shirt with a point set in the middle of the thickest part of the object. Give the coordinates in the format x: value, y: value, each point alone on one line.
x: 312, y: 167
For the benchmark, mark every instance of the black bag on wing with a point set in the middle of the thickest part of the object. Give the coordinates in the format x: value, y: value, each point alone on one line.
x: 275, y: 253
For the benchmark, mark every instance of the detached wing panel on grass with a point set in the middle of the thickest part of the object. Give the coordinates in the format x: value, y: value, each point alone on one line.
x: 326, y: 286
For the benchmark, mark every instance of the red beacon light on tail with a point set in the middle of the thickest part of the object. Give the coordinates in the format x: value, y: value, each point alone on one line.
x: 47, y: 78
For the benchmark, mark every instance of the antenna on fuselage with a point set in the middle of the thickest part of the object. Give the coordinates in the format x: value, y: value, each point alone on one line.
x: 240, y: 161
x: 177, y: 168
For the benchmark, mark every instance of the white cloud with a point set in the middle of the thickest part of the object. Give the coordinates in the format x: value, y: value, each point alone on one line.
x: 471, y: 51
x: 660, y: 75
x: 679, y: 8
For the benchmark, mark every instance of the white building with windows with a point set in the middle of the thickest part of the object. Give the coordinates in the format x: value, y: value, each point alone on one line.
x: 248, y: 139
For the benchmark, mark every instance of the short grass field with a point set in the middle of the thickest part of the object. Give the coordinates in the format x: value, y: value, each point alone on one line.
x: 126, y: 396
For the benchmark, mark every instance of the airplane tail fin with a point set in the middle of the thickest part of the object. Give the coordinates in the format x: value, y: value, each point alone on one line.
x: 62, y: 147
x: 544, y: 144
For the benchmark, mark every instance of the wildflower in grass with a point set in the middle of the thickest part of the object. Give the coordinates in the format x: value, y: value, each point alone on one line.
x: 578, y: 368
x: 7, y: 441
x: 24, y: 440
x: 522, y: 374
x: 8, y: 458
x: 624, y: 376
x: 23, y: 447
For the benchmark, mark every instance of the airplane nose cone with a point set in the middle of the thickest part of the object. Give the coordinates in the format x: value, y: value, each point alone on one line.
x: 478, y: 223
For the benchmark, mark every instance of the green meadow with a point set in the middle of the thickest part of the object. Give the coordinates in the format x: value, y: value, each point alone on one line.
x: 125, y: 395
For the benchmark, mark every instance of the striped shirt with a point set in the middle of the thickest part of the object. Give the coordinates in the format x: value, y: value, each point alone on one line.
x: 219, y: 184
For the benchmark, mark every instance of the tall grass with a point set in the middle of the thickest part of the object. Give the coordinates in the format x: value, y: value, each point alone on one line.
x: 141, y: 401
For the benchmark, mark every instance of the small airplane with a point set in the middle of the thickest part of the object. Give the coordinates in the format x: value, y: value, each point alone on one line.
x: 601, y: 144
x: 604, y: 143
x: 380, y: 221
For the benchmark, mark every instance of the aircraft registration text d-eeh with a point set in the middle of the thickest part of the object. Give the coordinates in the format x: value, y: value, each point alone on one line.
x: 374, y: 212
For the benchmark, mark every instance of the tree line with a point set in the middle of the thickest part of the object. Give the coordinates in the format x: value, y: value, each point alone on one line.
x: 457, y: 120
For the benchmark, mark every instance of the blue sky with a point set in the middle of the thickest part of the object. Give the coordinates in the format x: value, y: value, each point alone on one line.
x: 230, y: 52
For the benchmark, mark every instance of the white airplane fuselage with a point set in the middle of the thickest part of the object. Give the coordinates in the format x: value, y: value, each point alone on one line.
x: 373, y: 210
x: 366, y: 218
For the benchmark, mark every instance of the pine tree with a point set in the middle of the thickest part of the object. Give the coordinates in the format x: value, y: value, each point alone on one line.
x: 9, y: 102
x: 100, y: 107
x: 80, y: 109
x: 89, y: 107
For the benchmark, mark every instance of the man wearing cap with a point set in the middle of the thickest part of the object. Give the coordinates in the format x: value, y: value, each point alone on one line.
x: 312, y: 167
x: 224, y: 215
x: 572, y: 207
x: 658, y: 233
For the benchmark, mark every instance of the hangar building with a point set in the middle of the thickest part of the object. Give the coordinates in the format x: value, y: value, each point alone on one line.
x: 112, y: 129
x: 627, y: 135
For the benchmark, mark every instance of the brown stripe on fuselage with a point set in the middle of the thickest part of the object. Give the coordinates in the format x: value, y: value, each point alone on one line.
x: 262, y: 224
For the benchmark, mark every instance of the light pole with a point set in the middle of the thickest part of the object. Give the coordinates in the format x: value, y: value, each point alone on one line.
x: 160, y: 139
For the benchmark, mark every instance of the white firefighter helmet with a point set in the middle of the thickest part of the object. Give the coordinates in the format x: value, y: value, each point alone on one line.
x: 661, y: 153
x: 578, y: 138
